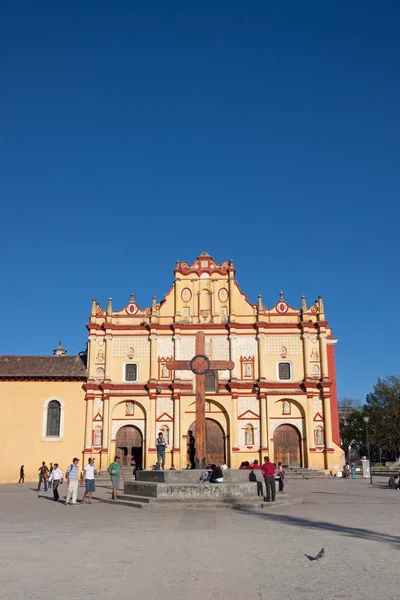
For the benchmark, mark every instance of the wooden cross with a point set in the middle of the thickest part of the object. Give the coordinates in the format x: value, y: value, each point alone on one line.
x: 200, y: 365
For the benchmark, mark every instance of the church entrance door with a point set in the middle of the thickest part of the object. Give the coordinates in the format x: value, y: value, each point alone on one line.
x: 215, y: 441
x: 287, y: 446
x: 129, y: 443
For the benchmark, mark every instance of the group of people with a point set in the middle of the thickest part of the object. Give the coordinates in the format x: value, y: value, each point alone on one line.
x: 276, y: 471
x: 270, y: 472
x: 52, y: 477
x: 349, y: 471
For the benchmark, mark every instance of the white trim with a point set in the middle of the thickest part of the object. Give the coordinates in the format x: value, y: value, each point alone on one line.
x: 52, y: 438
x: 291, y: 370
x: 131, y: 362
x: 332, y: 341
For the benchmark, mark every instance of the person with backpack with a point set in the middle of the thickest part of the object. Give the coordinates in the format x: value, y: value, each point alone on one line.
x: 72, y: 479
x: 43, y: 476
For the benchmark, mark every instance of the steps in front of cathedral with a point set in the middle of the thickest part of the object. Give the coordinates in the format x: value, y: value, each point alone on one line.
x: 301, y: 473
x: 134, y: 501
x: 182, y: 490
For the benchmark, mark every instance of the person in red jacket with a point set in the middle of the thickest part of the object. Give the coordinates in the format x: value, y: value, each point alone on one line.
x: 255, y: 466
x: 268, y: 470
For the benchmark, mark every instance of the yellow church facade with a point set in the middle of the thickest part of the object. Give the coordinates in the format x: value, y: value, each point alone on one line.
x: 279, y: 399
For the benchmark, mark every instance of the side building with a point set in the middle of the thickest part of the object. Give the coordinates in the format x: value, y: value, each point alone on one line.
x: 280, y: 398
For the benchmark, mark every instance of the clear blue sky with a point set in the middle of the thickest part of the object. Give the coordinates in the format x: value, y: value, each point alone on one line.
x: 136, y: 133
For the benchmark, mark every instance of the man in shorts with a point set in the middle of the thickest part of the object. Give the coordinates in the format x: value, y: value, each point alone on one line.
x: 89, y: 472
x: 115, y: 471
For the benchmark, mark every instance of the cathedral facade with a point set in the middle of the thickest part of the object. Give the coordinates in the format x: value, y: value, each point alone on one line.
x: 279, y: 399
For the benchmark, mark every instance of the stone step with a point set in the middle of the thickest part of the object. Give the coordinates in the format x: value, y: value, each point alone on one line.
x: 196, y: 503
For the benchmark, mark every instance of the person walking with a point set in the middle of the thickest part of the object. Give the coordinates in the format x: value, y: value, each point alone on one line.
x: 50, y: 479
x: 21, y: 475
x: 161, y: 444
x: 268, y: 471
x: 115, y: 471
x: 57, y: 478
x: 89, y: 472
x: 72, y: 479
x: 191, y: 449
x: 281, y: 477
x: 43, y: 476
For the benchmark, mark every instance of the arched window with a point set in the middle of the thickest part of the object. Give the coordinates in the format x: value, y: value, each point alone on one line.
x: 131, y: 372
x: 53, y: 419
x: 211, y: 382
x: 284, y: 371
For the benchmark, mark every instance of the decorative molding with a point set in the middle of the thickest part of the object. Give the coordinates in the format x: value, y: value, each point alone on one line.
x: 296, y: 422
x: 122, y: 344
x: 117, y: 424
x: 274, y: 344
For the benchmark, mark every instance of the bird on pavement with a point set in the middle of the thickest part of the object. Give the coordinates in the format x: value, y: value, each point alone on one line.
x: 319, y: 555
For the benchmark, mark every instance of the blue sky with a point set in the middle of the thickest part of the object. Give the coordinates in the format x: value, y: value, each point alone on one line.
x: 137, y: 133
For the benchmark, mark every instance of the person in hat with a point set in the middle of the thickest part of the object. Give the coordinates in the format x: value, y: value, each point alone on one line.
x: 71, y: 476
x: 115, y: 472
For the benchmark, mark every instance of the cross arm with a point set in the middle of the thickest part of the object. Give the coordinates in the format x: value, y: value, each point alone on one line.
x: 221, y: 365
x: 178, y: 365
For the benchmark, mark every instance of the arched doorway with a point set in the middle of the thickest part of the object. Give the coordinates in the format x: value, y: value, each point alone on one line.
x: 128, y: 444
x: 215, y: 441
x: 287, y: 446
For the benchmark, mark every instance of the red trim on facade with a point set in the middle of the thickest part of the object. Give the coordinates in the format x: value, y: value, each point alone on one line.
x: 334, y: 398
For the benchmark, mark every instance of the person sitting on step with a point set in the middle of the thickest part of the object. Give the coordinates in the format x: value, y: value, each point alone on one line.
x: 215, y: 476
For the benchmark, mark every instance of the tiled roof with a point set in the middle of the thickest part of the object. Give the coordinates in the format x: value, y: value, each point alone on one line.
x: 43, y: 367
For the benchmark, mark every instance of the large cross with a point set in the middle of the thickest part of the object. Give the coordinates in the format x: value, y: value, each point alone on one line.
x: 200, y: 365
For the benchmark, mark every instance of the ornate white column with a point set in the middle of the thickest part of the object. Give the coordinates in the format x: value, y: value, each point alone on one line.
x: 177, y: 352
x: 327, y: 421
x: 89, y: 422
x: 310, y: 423
x: 177, y: 429
x: 234, y: 425
x: 106, y: 424
x: 261, y: 356
x: 306, y: 354
x: 108, y: 342
x: 324, y: 354
x: 263, y: 422
x: 232, y: 353
x: 153, y: 356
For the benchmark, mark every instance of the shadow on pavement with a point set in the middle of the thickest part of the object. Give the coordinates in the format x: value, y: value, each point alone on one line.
x: 366, y: 534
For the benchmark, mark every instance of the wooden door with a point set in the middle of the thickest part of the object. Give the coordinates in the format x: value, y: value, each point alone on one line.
x: 287, y: 446
x: 129, y: 443
x: 215, y: 442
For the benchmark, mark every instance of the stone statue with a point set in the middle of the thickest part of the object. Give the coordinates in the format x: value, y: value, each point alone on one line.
x: 247, y: 370
x: 129, y: 408
x: 97, y: 437
x: 165, y: 372
x: 249, y: 435
x: 319, y: 437
x: 286, y: 407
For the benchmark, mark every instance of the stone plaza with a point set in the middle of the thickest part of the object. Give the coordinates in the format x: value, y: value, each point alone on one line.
x: 110, y: 551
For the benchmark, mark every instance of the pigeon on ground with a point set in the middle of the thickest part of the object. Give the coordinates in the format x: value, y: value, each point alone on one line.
x: 319, y: 555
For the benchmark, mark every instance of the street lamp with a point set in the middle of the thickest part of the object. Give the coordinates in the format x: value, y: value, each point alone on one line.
x: 366, y: 421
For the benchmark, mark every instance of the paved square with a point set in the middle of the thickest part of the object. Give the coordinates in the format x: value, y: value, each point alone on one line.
x: 48, y: 550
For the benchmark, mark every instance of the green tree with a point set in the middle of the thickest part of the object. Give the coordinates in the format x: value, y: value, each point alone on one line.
x: 383, y: 408
x: 352, y: 428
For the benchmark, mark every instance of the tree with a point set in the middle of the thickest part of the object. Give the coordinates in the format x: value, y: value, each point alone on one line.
x: 383, y: 408
x: 352, y: 429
